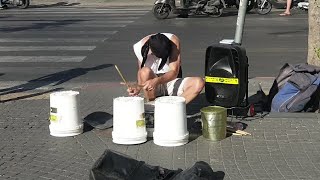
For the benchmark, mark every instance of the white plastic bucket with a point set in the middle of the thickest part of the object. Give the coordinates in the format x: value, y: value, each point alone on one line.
x: 64, y: 114
x: 129, y: 125
x: 170, y: 121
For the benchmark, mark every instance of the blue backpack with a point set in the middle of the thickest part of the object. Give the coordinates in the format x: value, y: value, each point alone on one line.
x: 296, y: 89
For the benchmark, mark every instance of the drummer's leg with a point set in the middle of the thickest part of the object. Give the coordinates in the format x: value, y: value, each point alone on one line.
x: 144, y: 75
x: 192, y: 86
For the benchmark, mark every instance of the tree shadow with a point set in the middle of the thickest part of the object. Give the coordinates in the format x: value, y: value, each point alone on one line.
x: 52, y: 79
x: 30, y: 95
x: 39, y: 26
x: 1, y: 74
x: 58, y: 4
x: 290, y: 32
x: 3, y: 17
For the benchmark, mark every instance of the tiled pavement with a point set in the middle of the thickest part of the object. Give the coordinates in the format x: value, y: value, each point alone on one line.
x: 282, y: 146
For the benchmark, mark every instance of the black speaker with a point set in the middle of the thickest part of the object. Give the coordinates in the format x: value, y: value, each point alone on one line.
x: 226, y: 75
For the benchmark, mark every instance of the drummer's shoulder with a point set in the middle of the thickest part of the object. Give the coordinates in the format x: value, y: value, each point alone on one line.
x: 175, y: 39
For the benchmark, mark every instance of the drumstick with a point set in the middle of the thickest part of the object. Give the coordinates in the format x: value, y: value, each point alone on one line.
x: 242, y: 132
x: 123, y: 79
x: 238, y: 131
x: 139, y: 85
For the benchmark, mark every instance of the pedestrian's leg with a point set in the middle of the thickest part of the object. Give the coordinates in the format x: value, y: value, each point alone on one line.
x: 287, y: 11
x: 144, y: 75
x: 192, y: 87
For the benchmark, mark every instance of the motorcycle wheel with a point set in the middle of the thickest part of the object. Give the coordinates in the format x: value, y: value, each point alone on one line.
x: 265, y: 9
x: 161, y: 11
x: 23, y: 4
x: 250, y: 5
x: 218, y: 13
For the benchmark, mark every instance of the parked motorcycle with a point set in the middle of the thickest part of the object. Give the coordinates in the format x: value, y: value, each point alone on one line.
x: 22, y: 4
x: 304, y: 5
x: 213, y: 8
x: 230, y: 3
x: 265, y: 6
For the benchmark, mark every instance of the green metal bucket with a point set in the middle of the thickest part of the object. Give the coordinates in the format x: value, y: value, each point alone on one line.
x: 214, y: 122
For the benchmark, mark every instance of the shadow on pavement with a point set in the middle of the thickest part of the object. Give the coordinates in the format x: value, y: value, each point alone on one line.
x: 303, y: 30
x: 41, y: 25
x: 58, y: 4
x: 194, y: 120
x: 87, y: 127
x: 29, y: 95
x: 196, y: 104
x: 52, y: 79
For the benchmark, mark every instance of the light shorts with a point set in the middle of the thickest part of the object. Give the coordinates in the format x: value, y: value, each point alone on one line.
x: 171, y: 88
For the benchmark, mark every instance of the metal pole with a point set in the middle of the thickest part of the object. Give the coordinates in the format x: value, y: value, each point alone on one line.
x: 240, y: 21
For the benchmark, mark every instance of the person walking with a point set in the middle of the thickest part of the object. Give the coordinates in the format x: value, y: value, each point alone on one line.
x: 287, y: 11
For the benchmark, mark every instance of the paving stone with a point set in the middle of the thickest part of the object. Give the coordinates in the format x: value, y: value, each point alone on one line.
x: 281, y: 147
x: 179, y: 158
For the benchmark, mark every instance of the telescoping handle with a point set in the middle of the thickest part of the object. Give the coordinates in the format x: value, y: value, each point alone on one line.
x: 240, y: 21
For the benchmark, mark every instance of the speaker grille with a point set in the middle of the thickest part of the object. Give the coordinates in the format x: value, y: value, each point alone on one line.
x: 224, y: 77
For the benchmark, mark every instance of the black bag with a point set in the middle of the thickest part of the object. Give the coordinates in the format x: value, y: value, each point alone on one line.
x: 199, y: 171
x: 116, y: 166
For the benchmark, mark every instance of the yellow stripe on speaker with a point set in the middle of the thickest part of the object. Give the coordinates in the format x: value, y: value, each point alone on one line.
x: 221, y: 80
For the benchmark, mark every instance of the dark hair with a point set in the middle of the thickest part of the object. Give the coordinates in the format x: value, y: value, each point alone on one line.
x: 160, y: 46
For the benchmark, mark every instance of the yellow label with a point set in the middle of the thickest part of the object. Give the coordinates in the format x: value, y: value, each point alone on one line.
x: 221, y: 80
x: 140, y: 123
x: 53, y: 117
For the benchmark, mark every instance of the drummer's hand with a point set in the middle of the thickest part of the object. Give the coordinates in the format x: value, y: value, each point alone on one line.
x: 133, y: 90
x: 150, y: 84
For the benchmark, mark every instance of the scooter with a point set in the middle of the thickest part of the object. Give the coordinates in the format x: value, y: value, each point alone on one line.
x: 212, y: 8
x: 250, y: 5
x: 304, y: 5
x: 264, y: 6
x: 22, y: 4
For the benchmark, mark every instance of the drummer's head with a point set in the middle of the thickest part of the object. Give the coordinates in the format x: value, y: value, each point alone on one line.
x: 158, y: 45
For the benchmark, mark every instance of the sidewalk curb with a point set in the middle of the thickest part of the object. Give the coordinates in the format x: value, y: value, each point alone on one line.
x: 253, y: 85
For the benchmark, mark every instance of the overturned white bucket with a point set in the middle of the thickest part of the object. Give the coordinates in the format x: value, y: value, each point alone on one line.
x: 170, y: 121
x: 129, y: 125
x: 64, y: 114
